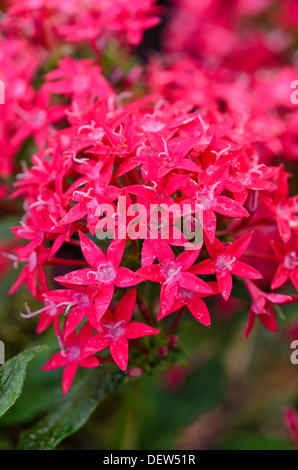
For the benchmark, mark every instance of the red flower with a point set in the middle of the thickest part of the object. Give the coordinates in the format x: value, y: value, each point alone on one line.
x: 105, y: 273
x: 262, y: 307
x: 172, y: 273
x: 193, y: 301
x: 285, y: 209
x: 78, y: 301
x: 116, y: 329
x: 224, y: 262
x: 73, y: 355
x: 208, y: 198
x: 288, y: 262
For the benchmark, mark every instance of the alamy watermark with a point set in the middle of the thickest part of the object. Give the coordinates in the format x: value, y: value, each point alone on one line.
x: 2, y: 353
x: 294, y: 355
x: 294, y: 94
x: 2, y: 92
x: 181, y: 223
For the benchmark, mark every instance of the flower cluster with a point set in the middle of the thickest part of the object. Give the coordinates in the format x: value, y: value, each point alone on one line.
x: 95, y: 145
x: 33, y: 36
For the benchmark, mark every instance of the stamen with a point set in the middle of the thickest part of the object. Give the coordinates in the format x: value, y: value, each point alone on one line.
x: 32, y: 314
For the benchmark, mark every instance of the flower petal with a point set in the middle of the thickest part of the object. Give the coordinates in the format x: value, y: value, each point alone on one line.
x: 191, y: 282
x: 126, y: 278
x: 119, y: 352
x: 138, y: 330
x: 92, y: 253
x: 68, y: 376
x: 244, y: 270
x: 115, y: 252
x: 225, y: 284
x: 199, y: 310
x: 126, y: 306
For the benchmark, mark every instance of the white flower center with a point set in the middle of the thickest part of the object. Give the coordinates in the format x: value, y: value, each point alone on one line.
x: 171, y: 272
x: 73, y: 353
x: 105, y: 272
x: 224, y: 262
x: 114, y: 330
x: 291, y: 260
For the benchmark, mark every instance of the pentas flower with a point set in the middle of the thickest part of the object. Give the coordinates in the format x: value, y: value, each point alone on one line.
x: 78, y: 302
x: 88, y: 201
x: 208, y: 198
x: 72, y: 355
x: 48, y: 314
x: 287, y: 256
x: 122, y: 139
x: 262, y: 307
x: 116, y: 329
x: 159, y: 229
x: 285, y: 209
x: 37, y: 117
x: 104, y: 272
x: 224, y: 262
x: 247, y: 174
x: 33, y: 273
x: 134, y: 18
x: 72, y: 22
x: 160, y: 192
x: 173, y: 272
x: 78, y: 78
x: 168, y: 155
x: 193, y: 301
x: 46, y: 174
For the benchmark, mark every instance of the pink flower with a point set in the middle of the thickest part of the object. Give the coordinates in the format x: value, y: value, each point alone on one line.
x: 48, y: 314
x: 116, y: 329
x: 172, y: 273
x: 33, y: 273
x: 224, y: 262
x: 285, y: 209
x: 73, y: 354
x: 78, y: 301
x: 208, y: 198
x: 104, y: 273
x: 262, y: 307
x: 287, y: 256
x: 193, y: 301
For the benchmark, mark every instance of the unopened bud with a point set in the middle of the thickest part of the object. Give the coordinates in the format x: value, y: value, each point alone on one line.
x: 173, y: 341
x: 162, y: 352
x: 134, y: 372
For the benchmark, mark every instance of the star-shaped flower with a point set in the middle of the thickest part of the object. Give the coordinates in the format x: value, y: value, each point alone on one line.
x: 116, y: 329
x: 224, y: 262
x: 172, y: 273
x: 262, y: 307
x: 288, y: 262
x: 104, y: 273
x: 73, y: 355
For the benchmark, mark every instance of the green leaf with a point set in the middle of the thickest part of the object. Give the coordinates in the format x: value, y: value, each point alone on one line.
x: 12, y: 376
x: 71, y: 412
x: 39, y: 383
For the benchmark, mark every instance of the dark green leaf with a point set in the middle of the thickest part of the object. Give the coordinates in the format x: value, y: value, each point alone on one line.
x: 72, y: 411
x: 12, y: 376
